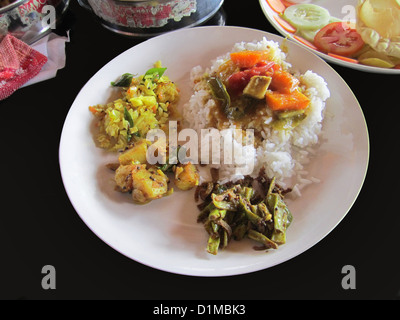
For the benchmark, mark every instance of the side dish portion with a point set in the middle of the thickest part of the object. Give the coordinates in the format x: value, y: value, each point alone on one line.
x: 250, y: 208
x: 147, y: 103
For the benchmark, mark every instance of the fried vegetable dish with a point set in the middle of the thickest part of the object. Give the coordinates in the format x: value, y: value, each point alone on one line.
x: 146, y: 103
x: 252, y: 208
x: 146, y: 182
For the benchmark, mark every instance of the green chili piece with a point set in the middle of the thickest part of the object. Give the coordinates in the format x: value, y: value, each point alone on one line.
x: 263, y: 211
x: 216, y: 214
x: 271, y: 186
x: 219, y: 92
x: 240, y: 231
x: 248, y: 193
x: 244, y: 205
x: 280, y: 214
x: 213, y: 244
x: 223, y: 205
x: 214, y: 228
x: 259, y: 237
x: 226, y: 228
x: 205, y: 212
x: 128, y: 117
x: 225, y: 239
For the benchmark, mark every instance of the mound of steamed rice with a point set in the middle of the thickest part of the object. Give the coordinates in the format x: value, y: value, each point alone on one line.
x: 283, y: 153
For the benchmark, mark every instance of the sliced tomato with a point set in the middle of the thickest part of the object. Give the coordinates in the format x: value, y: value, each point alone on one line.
x: 287, y: 3
x: 239, y: 80
x: 338, y: 38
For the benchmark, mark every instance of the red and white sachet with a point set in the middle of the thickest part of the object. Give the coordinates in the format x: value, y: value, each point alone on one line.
x: 18, y: 64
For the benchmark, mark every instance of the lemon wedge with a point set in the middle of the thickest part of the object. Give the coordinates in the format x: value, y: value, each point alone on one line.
x: 376, y: 62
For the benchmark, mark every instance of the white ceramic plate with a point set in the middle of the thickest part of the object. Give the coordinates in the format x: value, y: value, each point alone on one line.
x: 164, y: 234
x: 342, y: 9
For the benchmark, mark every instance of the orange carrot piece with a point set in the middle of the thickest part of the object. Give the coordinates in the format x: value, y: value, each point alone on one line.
x: 305, y: 42
x: 277, y: 101
x: 284, y: 24
x: 247, y: 58
x: 284, y: 82
x: 343, y: 58
x: 276, y: 5
x: 93, y: 110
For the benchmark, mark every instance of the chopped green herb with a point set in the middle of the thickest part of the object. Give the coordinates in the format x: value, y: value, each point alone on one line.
x: 128, y: 117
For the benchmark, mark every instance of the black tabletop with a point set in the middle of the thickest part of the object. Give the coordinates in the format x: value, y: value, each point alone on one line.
x: 39, y: 226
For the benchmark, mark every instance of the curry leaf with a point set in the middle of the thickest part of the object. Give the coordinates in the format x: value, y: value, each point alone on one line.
x: 155, y: 72
x: 124, y: 81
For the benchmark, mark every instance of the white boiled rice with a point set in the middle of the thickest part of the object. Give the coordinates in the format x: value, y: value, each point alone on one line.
x: 284, y: 155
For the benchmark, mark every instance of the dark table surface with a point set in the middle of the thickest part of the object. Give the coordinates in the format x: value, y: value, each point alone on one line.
x: 40, y: 227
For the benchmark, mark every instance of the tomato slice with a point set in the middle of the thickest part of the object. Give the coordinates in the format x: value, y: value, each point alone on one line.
x: 238, y: 81
x: 338, y: 38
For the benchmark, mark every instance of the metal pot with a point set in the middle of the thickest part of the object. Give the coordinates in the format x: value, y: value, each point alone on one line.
x: 29, y: 20
x: 140, y: 18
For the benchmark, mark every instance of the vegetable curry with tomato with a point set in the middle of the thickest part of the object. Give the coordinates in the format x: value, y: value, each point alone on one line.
x: 249, y: 86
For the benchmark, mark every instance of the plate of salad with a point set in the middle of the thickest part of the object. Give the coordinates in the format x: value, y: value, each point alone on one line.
x: 358, y: 34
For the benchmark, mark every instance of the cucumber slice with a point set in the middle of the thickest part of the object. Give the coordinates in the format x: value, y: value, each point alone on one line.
x: 334, y: 19
x: 309, y: 35
x: 307, y: 16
